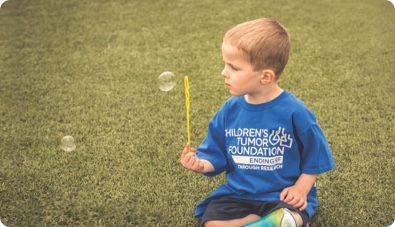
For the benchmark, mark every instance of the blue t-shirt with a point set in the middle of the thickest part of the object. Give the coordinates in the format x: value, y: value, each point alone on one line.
x: 264, y: 148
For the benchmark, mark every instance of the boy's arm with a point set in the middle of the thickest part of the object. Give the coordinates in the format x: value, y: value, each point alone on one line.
x: 296, y: 195
x: 190, y: 161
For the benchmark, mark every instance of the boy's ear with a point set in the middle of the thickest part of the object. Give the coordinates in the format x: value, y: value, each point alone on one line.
x: 267, y: 76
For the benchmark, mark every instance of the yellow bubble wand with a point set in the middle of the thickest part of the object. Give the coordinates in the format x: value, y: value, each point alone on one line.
x: 187, y: 105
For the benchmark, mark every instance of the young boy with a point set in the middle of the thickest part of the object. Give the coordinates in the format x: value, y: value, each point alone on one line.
x: 265, y: 139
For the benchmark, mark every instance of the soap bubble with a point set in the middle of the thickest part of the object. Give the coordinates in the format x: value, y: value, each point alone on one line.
x: 1, y: 224
x: 167, y: 81
x: 67, y: 143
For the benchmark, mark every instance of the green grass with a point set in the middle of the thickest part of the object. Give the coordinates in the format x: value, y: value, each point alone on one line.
x: 89, y: 69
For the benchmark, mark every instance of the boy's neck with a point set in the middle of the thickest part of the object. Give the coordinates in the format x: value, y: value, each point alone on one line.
x: 267, y: 94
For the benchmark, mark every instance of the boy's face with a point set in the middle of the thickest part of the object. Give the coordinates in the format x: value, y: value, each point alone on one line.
x: 240, y: 76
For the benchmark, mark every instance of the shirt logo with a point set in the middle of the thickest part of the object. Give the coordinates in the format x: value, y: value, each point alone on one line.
x: 258, y: 149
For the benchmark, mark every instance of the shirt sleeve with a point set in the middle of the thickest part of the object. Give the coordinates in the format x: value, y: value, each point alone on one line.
x: 316, y: 154
x: 213, y: 147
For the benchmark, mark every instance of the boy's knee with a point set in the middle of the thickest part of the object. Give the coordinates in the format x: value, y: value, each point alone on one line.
x: 214, y: 224
x: 297, y: 217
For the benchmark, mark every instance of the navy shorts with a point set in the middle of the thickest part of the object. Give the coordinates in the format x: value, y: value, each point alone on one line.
x: 228, y: 208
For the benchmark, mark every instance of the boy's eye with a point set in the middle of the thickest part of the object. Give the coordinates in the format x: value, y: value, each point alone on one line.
x: 232, y: 67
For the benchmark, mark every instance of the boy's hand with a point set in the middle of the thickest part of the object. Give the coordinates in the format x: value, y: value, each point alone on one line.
x: 190, y: 160
x: 294, y: 197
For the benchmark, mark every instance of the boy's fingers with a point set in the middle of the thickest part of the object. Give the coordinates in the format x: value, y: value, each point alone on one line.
x: 303, y: 207
x: 283, y: 194
x: 193, y: 162
x: 288, y: 199
x: 185, y: 151
x: 189, y: 148
x: 297, y: 203
x: 189, y: 159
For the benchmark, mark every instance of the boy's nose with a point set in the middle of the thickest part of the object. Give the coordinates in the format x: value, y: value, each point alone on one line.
x: 223, y: 73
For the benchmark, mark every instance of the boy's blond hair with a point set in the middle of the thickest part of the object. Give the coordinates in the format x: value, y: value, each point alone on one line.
x: 265, y: 41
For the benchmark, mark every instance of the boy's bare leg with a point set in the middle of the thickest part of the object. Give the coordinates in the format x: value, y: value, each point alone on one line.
x: 297, y: 217
x: 232, y: 223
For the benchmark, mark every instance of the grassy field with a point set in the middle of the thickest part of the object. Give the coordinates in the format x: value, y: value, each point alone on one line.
x: 89, y: 69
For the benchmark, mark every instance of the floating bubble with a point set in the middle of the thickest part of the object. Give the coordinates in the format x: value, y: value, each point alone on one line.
x: 167, y: 81
x: 67, y: 143
x: 1, y: 224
